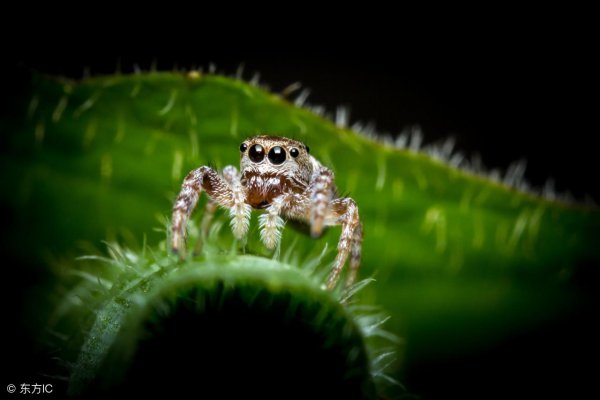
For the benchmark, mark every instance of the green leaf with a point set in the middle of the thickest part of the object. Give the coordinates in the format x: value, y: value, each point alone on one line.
x: 239, y: 319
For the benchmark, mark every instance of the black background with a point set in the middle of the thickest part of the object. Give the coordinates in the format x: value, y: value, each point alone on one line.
x: 502, y: 92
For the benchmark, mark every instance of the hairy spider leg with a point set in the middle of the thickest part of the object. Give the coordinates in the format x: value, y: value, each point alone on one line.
x: 355, y: 255
x: 207, y: 217
x: 270, y: 223
x: 322, y: 190
x: 203, y: 178
x: 346, y: 211
x: 240, y: 211
x: 232, y: 177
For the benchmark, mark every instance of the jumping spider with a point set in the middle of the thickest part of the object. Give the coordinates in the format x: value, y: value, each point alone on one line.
x: 279, y: 176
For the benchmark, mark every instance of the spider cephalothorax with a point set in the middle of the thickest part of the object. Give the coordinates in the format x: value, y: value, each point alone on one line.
x: 280, y: 176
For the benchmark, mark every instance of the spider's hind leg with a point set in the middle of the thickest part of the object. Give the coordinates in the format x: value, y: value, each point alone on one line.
x: 355, y: 255
x: 346, y: 211
x: 207, y: 217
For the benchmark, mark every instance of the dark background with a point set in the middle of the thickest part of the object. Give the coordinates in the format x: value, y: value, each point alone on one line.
x: 531, y: 96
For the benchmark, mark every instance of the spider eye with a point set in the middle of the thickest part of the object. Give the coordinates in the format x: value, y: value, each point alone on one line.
x: 294, y: 152
x: 277, y: 155
x: 243, y: 147
x: 256, y: 153
x: 307, y: 149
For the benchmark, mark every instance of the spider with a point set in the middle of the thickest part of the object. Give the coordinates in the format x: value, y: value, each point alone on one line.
x: 279, y: 176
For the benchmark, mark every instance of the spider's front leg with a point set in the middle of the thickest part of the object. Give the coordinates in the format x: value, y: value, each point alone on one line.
x: 240, y: 211
x: 271, y: 223
x: 344, y: 212
x: 219, y: 190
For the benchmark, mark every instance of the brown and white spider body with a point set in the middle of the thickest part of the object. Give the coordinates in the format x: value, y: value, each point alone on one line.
x: 279, y: 176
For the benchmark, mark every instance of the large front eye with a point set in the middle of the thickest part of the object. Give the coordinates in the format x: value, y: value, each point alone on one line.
x: 277, y: 155
x: 256, y: 153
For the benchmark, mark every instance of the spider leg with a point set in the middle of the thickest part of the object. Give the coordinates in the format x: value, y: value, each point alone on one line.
x: 355, y: 255
x: 207, y: 217
x: 229, y: 174
x: 344, y: 212
x: 240, y: 211
x: 271, y: 223
x: 321, y: 191
x: 203, y: 178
